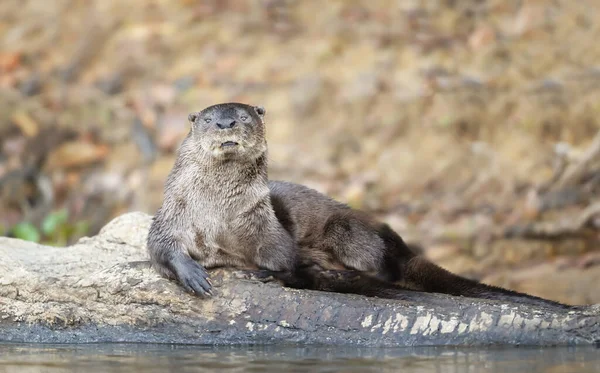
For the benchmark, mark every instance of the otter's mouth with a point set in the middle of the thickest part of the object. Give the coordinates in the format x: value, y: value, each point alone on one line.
x: 228, y: 144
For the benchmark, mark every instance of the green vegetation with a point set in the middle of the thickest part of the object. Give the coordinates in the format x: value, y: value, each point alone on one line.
x: 55, y: 229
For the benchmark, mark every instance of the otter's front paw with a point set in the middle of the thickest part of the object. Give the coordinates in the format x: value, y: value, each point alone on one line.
x: 193, y: 277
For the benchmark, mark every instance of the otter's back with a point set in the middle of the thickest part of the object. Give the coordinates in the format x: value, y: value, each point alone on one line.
x: 301, y: 210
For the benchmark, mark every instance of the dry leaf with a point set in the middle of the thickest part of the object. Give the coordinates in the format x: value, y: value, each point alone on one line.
x: 26, y: 123
x: 76, y: 153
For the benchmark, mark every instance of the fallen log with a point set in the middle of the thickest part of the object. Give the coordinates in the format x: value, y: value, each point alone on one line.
x: 102, y: 289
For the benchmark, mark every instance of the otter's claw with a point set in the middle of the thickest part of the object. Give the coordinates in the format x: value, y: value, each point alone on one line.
x: 193, y: 277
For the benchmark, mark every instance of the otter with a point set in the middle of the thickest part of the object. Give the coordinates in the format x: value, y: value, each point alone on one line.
x: 220, y: 209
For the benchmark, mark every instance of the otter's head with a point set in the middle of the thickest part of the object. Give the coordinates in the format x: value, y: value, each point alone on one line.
x: 230, y: 130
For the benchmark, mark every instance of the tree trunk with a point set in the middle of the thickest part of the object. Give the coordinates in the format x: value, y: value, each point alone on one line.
x: 103, y: 290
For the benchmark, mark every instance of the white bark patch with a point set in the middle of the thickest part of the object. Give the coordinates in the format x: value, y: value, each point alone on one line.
x: 250, y: 326
x: 462, y: 327
x: 532, y: 324
x: 367, y: 321
x: 420, y: 324
x: 507, y: 320
x: 518, y: 322
x: 375, y: 327
x: 284, y: 323
x: 239, y: 305
x: 433, y: 326
x: 448, y: 326
x: 482, y: 322
x: 401, y: 323
x: 387, y: 325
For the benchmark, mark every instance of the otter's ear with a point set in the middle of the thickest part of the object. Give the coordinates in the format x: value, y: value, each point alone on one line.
x: 260, y: 111
x: 192, y: 117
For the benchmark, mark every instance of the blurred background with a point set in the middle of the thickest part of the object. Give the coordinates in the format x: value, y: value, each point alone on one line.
x: 471, y: 126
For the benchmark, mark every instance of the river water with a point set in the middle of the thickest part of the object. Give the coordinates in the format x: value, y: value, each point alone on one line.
x: 178, y: 358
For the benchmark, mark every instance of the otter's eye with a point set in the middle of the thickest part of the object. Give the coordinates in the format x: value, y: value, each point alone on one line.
x: 207, y: 120
x: 244, y: 118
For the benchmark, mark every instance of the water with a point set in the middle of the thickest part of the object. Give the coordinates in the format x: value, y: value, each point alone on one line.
x: 177, y: 358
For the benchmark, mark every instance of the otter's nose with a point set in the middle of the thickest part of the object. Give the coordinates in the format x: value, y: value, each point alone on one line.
x: 226, y: 123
